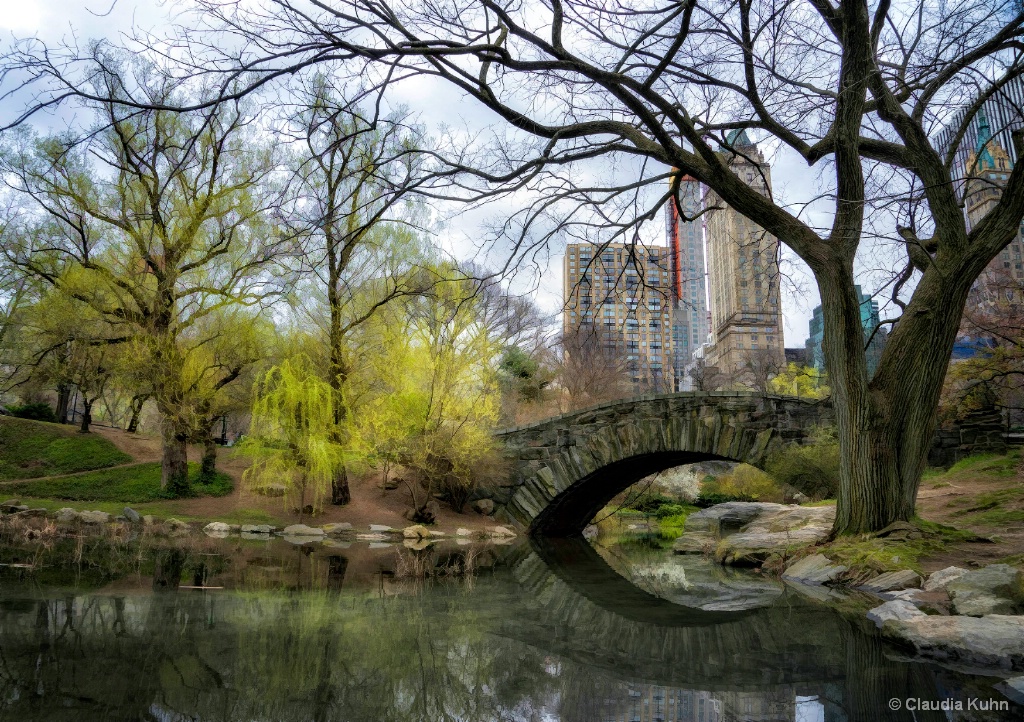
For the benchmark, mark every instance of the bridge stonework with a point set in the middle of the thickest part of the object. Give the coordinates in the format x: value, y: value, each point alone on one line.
x: 563, y: 470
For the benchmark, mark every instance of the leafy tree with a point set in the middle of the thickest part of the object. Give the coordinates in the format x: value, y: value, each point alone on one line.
x: 351, y: 212
x: 292, y: 436
x: 435, y: 395
x: 155, y: 220
x: 798, y: 380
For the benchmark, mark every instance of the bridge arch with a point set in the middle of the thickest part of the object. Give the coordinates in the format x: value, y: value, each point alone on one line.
x: 565, y: 469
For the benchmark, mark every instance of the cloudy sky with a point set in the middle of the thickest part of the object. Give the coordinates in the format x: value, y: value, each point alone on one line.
x: 57, y: 20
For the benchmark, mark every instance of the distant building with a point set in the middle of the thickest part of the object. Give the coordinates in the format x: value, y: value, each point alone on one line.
x: 624, y: 290
x: 869, y: 321
x: 743, y: 275
x: 796, y: 356
x: 685, y: 235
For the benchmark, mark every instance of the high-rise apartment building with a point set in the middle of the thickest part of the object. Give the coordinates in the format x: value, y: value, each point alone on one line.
x: 621, y: 294
x: 685, y: 234
x: 743, y: 277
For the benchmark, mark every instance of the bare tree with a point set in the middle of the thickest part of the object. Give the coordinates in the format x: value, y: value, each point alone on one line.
x: 855, y: 92
x: 704, y: 377
x: 593, y: 367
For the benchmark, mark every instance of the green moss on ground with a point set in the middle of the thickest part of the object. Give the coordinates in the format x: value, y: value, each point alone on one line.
x: 31, y: 449
x: 865, y: 553
x: 128, y: 484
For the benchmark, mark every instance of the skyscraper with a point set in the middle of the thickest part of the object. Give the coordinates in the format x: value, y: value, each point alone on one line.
x: 869, y: 321
x: 685, y: 233
x: 743, y: 278
x: 621, y: 292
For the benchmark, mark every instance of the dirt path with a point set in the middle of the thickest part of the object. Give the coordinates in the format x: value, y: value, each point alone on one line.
x: 986, y: 502
x: 369, y: 505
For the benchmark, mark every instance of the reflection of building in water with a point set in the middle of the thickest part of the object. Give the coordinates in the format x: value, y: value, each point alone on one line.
x: 652, y: 703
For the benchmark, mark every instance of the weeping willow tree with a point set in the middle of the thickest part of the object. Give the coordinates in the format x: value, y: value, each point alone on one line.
x: 292, y: 433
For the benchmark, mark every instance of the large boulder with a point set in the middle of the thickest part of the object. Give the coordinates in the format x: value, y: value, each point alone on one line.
x: 750, y: 532
x: 257, y: 529
x: 993, y: 642
x: 66, y: 515
x: 995, y: 589
x: 94, y: 517
x: 897, y: 609
x: 815, y: 569
x: 131, y: 515
x: 732, y: 516
x: 938, y: 581
x: 417, y: 531
x: 217, y: 529
x: 483, y: 506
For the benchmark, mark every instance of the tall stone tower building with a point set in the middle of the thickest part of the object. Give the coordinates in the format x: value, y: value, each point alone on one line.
x: 685, y: 233
x: 988, y: 169
x: 743, y: 275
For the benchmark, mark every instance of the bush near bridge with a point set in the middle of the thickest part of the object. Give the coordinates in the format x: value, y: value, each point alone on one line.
x: 31, y: 449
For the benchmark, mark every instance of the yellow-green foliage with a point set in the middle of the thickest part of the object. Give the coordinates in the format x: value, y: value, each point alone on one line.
x: 797, y: 380
x: 744, y: 481
x: 292, y: 432
x: 430, y: 393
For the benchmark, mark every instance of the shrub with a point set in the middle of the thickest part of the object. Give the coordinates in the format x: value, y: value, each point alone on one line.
x: 650, y: 502
x: 744, y: 483
x: 35, y: 412
x: 812, y: 469
x: 707, y: 499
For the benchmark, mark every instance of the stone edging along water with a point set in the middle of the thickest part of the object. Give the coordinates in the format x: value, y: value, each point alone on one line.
x: 97, y: 521
x: 969, y: 620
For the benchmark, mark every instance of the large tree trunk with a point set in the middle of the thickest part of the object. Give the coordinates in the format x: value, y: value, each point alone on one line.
x: 208, y: 466
x: 86, y: 414
x: 886, y: 424
x: 136, y: 405
x: 340, y: 492
x: 174, y: 465
x: 63, y: 402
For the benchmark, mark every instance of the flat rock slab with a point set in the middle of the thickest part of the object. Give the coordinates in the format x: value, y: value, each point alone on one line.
x: 302, y: 530
x: 752, y: 548
x: 893, y: 581
x: 1013, y: 688
x: 815, y: 569
x: 993, y: 642
x: 939, y: 580
x: 730, y: 516
x: 896, y: 609
x: 694, y: 543
x: 257, y: 529
x: 336, y: 529
x: 94, y: 517
x: 995, y: 589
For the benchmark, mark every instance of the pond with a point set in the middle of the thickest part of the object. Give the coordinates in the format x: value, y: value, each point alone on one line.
x: 231, y: 629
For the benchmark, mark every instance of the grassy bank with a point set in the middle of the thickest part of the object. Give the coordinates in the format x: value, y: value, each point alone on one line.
x: 125, y: 484
x: 32, y: 449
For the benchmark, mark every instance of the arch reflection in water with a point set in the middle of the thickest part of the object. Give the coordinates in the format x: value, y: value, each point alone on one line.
x: 552, y: 633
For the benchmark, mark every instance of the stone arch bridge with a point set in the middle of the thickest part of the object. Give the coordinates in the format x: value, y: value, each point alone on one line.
x: 566, y: 468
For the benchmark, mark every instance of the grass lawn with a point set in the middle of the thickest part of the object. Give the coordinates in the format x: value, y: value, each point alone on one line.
x: 30, y: 449
x: 126, y: 484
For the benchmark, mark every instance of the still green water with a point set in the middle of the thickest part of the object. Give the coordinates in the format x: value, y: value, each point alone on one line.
x: 567, y: 632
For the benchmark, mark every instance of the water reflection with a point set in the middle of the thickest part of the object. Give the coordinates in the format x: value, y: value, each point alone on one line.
x: 266, y: 631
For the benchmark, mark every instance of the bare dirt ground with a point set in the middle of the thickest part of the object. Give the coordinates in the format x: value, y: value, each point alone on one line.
x: 370, y: 503
x: 987, y: 499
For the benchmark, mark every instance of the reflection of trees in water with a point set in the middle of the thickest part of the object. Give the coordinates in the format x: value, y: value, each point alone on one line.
x: 510, y: 650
